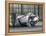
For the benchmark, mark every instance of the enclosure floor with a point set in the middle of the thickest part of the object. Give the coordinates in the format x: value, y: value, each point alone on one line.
x: 37, y: 28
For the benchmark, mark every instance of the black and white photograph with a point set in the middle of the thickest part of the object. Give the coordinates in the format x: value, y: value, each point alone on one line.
x: 25, y: 17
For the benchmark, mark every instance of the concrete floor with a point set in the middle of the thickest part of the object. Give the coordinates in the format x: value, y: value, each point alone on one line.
x: 37, y: 28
